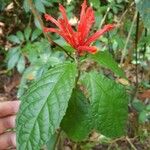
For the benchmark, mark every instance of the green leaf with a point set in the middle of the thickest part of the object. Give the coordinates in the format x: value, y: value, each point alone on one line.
x: 65, y: 45
x: 36, y: 22
x: 44, y: 105
x: 143, y: 6
x: 14, y: 39
x: 48, y: 3
x: 21, y: 64
x: 52, y: 142
x: 26, y: 6
x: 109, y: 104
x: 143, y: 116
x: 13, y: 58
x: 20, y: 36
x: 39, y: 6
x: 24, y: 79
x: 36, y: 33
x: 95, y: 3
x: 148, y: 107
x: 12, y: 51
x: 27, y: 33
x: 76, y: 121
x: 105, y: 59
x: 138, y: 105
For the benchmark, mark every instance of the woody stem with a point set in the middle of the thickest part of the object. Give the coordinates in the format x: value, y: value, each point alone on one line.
x: 38, y: 17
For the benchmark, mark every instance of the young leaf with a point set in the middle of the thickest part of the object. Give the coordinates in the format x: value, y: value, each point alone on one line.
x: 105, y: 59
x: 109, y: 104
x: 44, y: 105
x: 20, y: 36
x: 27, y: 33
x: 21, y: 64
x: 36, y: 33
x: 76, y: 121
x: 14, y: 39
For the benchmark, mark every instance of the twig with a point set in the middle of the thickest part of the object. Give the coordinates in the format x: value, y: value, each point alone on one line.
x: 131, y: 144
x: 57, y: 138
x: 37, y: 15
x: 122, y: 16
x: 136, y: 57
x: 3, y: 71
x: 128, y: 38
x: 17, y: 3
x: 104, y: 18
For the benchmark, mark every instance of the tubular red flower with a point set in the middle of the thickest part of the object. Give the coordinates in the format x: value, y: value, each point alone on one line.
x: 100, y: 32
x: 79, y: 39
x: 90, y: 49
x: 50, y: 18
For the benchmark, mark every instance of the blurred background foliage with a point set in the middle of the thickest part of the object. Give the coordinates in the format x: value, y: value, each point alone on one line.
x: 25, y: 50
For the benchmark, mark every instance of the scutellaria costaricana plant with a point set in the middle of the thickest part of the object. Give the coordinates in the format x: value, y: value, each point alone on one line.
x: 56, y: 101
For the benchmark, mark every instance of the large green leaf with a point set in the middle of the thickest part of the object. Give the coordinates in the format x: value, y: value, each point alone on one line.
x: 105, y: 59
x: 109, y: 104
x: 143, y: 6
x: 43, y: 106
x: 76, y: 121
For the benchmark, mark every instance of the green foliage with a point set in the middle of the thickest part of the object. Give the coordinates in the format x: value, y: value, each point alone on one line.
x: 27, y: 33
x: 3, y: 4
x: 53, y: 95
x: 44, y: 105
x: 109, y: 104
x: 143, y: 6
x: 14, y: 39
x: 105, y: 59
x: 39, y: 4
x: 13, y: 57
x: 21, y: 64
x: 76, y: 121
x: 143, y: 111
x: 16, y: 55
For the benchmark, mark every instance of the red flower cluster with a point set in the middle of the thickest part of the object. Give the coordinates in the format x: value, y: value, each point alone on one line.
x: 80, y: 39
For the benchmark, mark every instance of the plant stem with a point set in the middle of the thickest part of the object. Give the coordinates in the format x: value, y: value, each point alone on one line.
x: 57, y: 139
x: 131, y: 144
x: 136, y: 47
x: 78, y: 67
x: 38, y: 17
x: 104, y: 18
x: 128, y: 38
x: 145, y: 45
